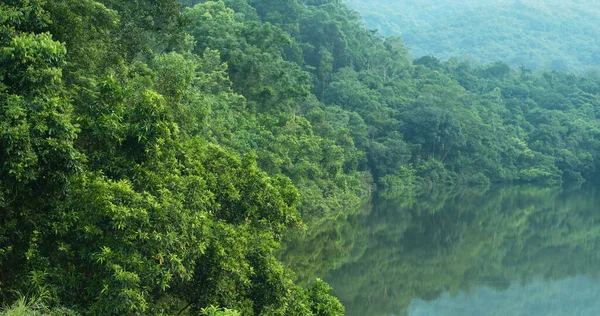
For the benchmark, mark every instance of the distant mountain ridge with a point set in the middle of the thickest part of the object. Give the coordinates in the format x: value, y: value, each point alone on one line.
x: 539, y: 35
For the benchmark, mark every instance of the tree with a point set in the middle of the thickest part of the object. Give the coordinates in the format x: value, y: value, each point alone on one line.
x: 436, y: 130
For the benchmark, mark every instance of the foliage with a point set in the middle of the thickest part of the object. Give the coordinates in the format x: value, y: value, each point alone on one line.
x: 152, y: 156
x: 540, y: 35
x: 34, y: 305
x: 119, y: 190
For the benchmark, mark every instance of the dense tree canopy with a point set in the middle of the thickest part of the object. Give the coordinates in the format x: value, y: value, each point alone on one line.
x: 154, y: 152
x: 122, y: 191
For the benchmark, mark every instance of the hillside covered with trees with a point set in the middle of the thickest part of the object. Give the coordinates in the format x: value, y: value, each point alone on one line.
x: 154, y: 152
x: 539, y: 35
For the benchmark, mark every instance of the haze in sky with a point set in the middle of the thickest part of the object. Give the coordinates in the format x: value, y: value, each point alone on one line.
x: 540, y: 35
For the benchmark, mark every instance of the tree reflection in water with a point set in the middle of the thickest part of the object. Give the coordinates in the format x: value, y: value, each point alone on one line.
x: 383, y: 257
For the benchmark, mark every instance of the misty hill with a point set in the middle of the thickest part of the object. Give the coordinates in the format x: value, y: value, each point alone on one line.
x: 547, y: 35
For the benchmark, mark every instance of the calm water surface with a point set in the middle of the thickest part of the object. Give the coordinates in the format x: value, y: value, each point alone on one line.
x: 502, y: 251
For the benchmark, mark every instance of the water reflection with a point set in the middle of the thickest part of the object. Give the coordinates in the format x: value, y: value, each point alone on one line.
x: 572, y: 296
x: 464, y: 249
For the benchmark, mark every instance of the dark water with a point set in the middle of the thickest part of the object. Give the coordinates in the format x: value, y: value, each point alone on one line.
x: 502, y: 251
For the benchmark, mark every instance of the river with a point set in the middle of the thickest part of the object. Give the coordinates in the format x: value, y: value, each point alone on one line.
x: 515, y: 250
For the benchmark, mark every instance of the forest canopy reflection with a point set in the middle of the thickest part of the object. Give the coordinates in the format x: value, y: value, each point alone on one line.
x: 382, y: 258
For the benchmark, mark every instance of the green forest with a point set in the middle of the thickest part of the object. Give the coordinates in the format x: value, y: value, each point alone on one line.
x: 154, y: 153
x: 540, y: 35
